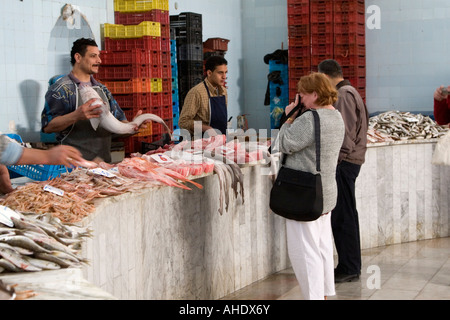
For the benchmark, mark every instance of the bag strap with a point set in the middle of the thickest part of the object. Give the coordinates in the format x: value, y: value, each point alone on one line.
x: 317, y: 137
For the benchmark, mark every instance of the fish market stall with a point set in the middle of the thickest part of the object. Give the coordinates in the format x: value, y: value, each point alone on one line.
x: 183, y: 229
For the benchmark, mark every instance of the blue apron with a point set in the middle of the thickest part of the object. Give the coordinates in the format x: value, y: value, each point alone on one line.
x: 218, y: 111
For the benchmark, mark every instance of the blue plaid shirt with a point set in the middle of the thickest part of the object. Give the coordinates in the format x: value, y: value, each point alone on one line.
x: 61, y: 99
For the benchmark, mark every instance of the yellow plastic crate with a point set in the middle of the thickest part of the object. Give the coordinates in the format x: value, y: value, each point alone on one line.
x: 119, y: 31
x: 129, y: 6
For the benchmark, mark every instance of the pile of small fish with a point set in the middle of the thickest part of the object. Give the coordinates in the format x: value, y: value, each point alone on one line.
x: 30, y: 242
x: 79, y: 190
x: 398, y: 125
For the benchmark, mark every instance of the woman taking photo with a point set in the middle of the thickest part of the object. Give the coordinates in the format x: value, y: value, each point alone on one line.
x: 310, y: 244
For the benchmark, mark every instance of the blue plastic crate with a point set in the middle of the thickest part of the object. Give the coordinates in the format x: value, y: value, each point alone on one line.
x: 40, y: 172
x: 36, y: 172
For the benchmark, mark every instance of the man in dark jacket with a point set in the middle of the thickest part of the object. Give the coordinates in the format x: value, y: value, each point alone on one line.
x: 344, y: 218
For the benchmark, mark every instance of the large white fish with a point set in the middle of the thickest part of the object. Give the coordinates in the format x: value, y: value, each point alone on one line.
x: 109, y: 122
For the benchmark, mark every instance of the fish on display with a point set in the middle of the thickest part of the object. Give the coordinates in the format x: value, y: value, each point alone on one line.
x: 37, y: 242
x: 110, y: 123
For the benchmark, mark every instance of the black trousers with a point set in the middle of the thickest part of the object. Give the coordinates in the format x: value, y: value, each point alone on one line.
x: 344, y: 220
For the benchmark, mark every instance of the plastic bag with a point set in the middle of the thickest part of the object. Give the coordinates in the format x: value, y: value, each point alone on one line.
x: 441, y: 156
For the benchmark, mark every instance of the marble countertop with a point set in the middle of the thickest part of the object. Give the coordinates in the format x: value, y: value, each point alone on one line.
x: 63, y: 284
x: 401, y: 142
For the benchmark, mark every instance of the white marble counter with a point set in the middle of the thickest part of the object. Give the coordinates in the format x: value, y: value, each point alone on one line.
x: 169, y: 243
x: 400, y: 195
x: 64, y: 284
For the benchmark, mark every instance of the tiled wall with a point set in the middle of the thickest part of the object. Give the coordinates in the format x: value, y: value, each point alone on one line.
x: 26, y: 59
x: 407, y: 59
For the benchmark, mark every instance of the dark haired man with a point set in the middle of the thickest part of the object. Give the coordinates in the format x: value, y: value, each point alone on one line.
x: 66, y: 115
x: 207, y: 101
x: 344, y: 218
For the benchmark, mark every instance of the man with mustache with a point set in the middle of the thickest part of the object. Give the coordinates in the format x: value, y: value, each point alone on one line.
x: 66, y: 115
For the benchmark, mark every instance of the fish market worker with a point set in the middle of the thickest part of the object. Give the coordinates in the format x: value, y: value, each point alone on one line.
x: 66, y: 115
x: 207, y: 101
x: 12, y: 153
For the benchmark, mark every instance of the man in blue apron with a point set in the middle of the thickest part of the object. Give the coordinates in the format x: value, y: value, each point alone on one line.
x: 206, y: 103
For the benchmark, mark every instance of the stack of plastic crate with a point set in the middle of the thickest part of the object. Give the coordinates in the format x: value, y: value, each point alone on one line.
x: 349, y: 41
x: 299, y: 33
x: 136, y: 64
x: 322, y: 29
x: 188, y: 34
x: 322, y: 37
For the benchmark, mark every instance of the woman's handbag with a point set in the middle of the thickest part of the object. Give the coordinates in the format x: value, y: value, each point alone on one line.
x: 297, y: 195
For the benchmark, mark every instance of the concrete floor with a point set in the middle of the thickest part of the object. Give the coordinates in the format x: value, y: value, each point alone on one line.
x: 408, y: 271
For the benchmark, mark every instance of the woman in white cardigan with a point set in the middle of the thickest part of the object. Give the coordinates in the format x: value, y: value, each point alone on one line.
x: 310, y: 244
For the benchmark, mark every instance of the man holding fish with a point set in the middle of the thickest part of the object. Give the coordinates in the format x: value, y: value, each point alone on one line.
x: 75, y: 120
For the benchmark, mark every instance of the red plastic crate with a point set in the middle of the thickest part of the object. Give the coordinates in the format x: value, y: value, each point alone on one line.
x: 322, y: 27
x: 136, y: 100
x: 164, y: 112
x: 135, y: 18
x: 321, y: 6
x: 322, y: 49
x: 298, y: 8
x: 166, y: 58
x: 349, y: 6
x: 346, y: 38
x: 299, y: 62
x: 299, y: 41
x: 126, y: 57
x: 143, y: 43
x: 298, y: 19
x: 165, y: 44
x: 322, y: 17
x: 216, y: 44
x: 321, y: 39
x: 349, y: 17
x: 297, y: 31
x: 343, y: 28
x: 344, y: 50
x: 353, y: 72
x: 299, y: 51
x: 165, y: 30
x: 351, y: 60
x: 166, y: 98
x: 126, y: 72
x: 167, y: 85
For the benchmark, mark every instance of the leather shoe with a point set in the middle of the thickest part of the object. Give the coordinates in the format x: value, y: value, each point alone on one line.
x: 342, y: 277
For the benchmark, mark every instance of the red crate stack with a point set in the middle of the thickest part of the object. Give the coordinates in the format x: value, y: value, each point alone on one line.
x: 332, y: 29
x: 299, y: 42
x: 139, y: 74
x: 322, y: 41
x: 350, y: 41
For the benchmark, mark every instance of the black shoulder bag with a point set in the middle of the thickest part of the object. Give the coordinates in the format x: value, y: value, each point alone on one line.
x: 297, y: 195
